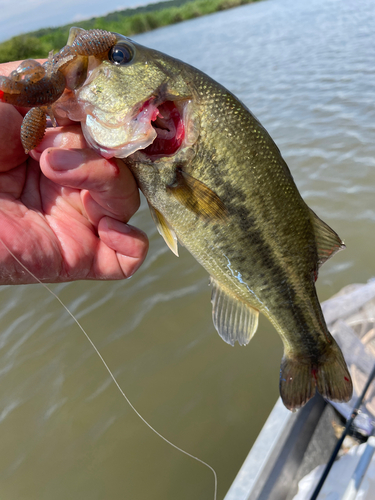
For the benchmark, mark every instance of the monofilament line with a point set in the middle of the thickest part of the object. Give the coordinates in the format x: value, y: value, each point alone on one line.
x: 111, y: 374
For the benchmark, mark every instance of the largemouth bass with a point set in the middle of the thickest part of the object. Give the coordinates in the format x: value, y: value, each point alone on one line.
x: 216, y: 183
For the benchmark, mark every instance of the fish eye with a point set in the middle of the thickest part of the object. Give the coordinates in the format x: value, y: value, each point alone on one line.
x: 121, y: 54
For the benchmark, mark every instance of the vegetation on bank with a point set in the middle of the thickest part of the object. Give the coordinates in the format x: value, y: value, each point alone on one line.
x: 127, y: 22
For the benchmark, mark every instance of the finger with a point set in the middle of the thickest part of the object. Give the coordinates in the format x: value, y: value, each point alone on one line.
x: 12, y: 153
x: 67, y: 137
x: 111, y: 184
x: 92, y: 210
x: 130, y: 243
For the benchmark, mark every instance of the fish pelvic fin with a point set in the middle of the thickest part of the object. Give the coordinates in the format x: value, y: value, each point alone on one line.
x: 165, y: 230
x: 300, y: 378
x: 234, y: 320
x: 327, y: 241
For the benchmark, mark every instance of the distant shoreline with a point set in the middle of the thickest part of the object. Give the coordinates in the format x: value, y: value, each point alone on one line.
x: 129, y: 22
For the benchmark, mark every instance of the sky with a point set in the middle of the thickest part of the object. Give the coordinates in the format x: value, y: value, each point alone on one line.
x: 21, y: 16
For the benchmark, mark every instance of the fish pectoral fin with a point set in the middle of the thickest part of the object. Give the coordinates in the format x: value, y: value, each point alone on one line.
x: 197, y: 197
x: 328, y: 242
x: 299, y: 378
x: 233, y: 319
x: 164, y: 229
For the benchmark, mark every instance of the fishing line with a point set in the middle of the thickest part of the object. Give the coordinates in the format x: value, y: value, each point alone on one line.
x: 111, y: 374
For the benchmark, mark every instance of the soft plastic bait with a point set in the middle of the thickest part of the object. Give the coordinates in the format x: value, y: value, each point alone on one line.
x: 38, y: 86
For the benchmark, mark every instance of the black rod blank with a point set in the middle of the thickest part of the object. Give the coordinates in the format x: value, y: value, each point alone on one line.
x: 349, y: 423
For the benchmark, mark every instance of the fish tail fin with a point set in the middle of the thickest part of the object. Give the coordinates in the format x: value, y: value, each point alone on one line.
x: 333, y: 379
x: 300, y: 377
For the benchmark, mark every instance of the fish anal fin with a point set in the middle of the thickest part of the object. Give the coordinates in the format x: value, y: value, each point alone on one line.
x: 329, y: 375
x: 328, y: 242
x: 197, y: 197
x: 233, y: 319
x: 164, y: 229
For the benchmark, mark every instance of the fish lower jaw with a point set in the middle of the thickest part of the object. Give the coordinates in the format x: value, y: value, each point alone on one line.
x: 158, y: 130
x: 119, y: 136
x: 118, y: 142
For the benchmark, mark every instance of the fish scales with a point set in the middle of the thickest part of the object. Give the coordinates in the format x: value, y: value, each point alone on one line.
x: 266, y: 253
x: 216, y: 183
x: 238, y: 179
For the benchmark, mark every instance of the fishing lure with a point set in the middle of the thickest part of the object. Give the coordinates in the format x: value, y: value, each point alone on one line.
x: 38, y: 86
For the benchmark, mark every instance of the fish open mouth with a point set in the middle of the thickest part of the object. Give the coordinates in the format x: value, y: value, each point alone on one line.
x: 168, y: 124
x: 155, y: 129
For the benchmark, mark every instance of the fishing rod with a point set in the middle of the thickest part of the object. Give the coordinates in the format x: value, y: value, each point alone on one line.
x: 349, y: 423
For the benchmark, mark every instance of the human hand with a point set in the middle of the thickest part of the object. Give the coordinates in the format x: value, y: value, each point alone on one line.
x: 64, y: 209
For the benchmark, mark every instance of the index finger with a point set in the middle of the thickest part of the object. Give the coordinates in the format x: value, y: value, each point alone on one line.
x: 12, y: 153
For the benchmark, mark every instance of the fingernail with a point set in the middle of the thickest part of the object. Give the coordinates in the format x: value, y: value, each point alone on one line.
x: 64, y: 159
x: 58, y: 140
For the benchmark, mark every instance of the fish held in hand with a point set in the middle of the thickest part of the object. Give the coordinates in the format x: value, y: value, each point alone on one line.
x: 217, y: 184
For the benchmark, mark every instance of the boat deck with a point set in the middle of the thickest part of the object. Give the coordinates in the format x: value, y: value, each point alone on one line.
x: 291, y: 445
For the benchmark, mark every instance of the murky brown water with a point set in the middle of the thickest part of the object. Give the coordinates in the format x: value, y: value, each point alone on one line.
x: 307, y: 72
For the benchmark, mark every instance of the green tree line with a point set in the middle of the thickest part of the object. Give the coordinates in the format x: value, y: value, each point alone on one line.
x: 128, y: 22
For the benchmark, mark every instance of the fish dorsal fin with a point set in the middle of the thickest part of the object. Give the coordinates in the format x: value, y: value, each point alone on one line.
x: 233, y: 319
x: 196, y: 196
x: 328, y: 242
x: 164, y: 229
